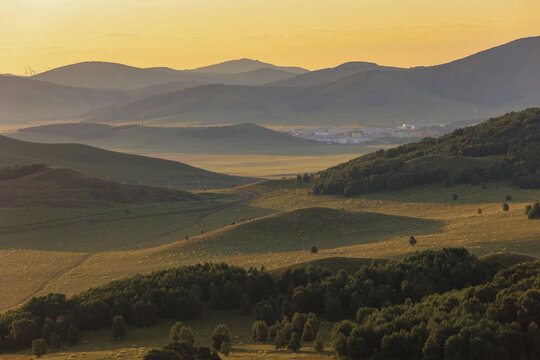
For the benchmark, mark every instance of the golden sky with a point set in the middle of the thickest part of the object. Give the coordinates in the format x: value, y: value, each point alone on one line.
x: 182, y: 34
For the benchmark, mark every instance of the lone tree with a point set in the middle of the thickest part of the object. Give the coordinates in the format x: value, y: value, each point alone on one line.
x: 505, y: 207
x: 119, y: 328
x: 39, y: 347
x: 479, y: 211
x: 454, y: 197
x: 533, y: 211
x: 294, y: 342
x: 219, y: 335
x: 260, y: 331
x: 319, y: 343
x: 314, y: 250
x: 412, y: 241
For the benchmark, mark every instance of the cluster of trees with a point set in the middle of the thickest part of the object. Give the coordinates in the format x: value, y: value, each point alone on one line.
x: 495, y: 320
x: 514, y: 138
x: 180, y: 292
x: 181, y: 345
x: 290, y: 333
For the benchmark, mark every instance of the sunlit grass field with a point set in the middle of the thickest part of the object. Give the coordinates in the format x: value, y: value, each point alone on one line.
x: 70, y: 250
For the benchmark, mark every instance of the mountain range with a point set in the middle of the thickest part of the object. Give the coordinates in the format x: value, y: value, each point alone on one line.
x: 493, y: 81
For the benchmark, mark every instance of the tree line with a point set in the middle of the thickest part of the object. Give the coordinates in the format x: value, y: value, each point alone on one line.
x: 180, y: 293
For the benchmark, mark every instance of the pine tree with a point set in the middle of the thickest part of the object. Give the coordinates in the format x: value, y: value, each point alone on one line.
x: 119, y: 328
x: 281, y: 340
x: 294, y: 342
x: 319, y: 343
x: 308, y: 334
x: 39, y: 347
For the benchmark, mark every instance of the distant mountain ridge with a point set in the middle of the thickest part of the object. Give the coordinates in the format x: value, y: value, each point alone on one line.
x: 485, y: 84
x: 244, y: 65
x: 107, y: 75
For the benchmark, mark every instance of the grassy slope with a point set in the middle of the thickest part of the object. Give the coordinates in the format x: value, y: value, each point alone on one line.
x: 113, y: 165
x: 51, y: 187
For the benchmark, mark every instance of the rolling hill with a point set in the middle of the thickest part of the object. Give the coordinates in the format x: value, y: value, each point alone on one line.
x: 111, y: 165
x: 228, y: 139
x: 106, y: 75
x: 323, y: 76
x: 40, y: 185
x: 485, y: 84
x: 245, y: 65
x: 27, y: 99
x: 507, y: 147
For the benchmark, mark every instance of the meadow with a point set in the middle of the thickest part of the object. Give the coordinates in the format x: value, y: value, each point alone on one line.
x: 276, y: 228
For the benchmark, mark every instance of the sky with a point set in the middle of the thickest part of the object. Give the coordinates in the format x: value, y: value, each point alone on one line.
x: 183, y: 34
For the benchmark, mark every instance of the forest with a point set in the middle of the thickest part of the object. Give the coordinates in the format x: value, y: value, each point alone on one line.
x: 512, y: 141
x: 401, y: 301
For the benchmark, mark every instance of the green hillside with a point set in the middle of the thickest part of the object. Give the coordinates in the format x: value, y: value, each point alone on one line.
x: 111, y: 165
x: 507, y: 147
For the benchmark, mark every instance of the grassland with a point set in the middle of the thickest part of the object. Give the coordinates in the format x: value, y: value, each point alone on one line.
x: 274, y: 230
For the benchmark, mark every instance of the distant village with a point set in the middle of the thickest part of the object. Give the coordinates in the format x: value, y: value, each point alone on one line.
x: 348, y: 135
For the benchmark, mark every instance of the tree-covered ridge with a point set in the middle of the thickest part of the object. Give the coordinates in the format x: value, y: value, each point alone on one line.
x: 512, y: 139
x: 180, y: 293
x: 496, y: 320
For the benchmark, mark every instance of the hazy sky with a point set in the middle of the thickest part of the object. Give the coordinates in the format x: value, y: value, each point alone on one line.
x: 182, y: 34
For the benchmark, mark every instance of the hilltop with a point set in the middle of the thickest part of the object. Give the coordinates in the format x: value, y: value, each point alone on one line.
x: 507, y: 147
x: 485, y: 84
x: 244, y: 65
x: 40, y: 185
x: 112, y: 165
x: 107, y: 75
x: 329, y: 75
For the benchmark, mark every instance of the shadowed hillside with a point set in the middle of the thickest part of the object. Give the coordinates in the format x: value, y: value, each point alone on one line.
x: 497, y: 80
x: 24, y: 99
x: 228, y: 139
x: 44, y: 186
x: 111, y: 165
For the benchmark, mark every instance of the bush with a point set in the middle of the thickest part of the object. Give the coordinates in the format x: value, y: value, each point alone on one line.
x: 412, y: 241
x: 260, y: 331
x: 533, y: 211
x: 314, y: 250
x: 294, y: 343
x: 280, y: 340
x: 39, y: 347
x: 119, y: 328
x: 226, y: 348
x: 479, y: 211
x: 308, y: 335
x: 219, y: 335
x: 454, y: 197
x: 319, y: 343
x: 505, y: 207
